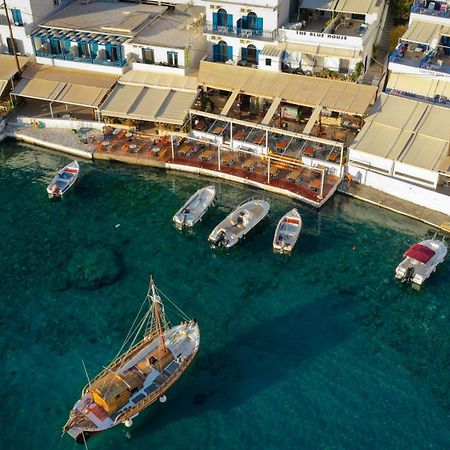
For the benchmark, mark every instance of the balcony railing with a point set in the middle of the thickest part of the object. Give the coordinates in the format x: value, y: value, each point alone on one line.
x: 70, y: 57
x: 243, y: 33
x: 419, y: 8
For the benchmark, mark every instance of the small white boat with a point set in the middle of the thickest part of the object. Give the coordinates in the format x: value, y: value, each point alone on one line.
x: 237, y: 224
x: 287, y: 232
x: 420, y: 261
x: 63, y: 180
x: 195, y: 208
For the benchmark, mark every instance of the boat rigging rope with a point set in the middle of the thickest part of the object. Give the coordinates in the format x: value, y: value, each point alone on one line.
x: 183, y: 315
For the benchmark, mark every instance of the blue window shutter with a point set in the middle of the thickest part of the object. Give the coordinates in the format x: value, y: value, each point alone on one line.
x: 230, y: 52
x: 17, y: 16
x: 94, y: 50
x: 108, y: 51
x: 244, y: 53
x: 230, y: 20
x: 67, y: 45
x: 259, y: 23
x: 244, y: 22
x: 216, y: 52
x: 257, y: 56
x: 214, y: 19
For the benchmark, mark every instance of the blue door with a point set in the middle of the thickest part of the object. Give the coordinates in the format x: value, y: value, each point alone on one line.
x: 17, y: 16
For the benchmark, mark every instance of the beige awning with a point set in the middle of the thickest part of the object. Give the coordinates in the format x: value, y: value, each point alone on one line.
x: 319, y: 50
x: 271, y: 111
x: 422, y: 33
x: 229, y: 102
x: 151, y: 79
x: 407, y: 131
x: 312, y: 120
x: 72, y: 87
x: 271, y: 50
x: 3, y: 86
x: 8, y: 66
x: 148, y: 104
x: 339, y: 96
x: 421, y: 85
x: 348, y: 6
x: 38, y: 89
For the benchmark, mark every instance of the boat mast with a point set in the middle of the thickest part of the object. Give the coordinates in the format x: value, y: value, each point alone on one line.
x: 157, y: 312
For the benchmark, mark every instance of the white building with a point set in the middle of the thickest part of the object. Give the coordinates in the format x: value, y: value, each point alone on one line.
x: 331, y: 34
x: 296, y: 35
x: 113, y: 36
x: 24, y: 15
x: 404, y: 150
x: 420, y: 65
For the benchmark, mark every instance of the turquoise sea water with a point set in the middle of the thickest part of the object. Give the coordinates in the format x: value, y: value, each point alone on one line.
x: 319, y: 350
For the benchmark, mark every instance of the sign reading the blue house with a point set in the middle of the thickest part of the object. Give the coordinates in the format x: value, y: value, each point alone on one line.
x: 322, y: 35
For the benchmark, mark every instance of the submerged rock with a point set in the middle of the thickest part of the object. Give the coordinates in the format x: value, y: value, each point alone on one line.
x: 93, y: 268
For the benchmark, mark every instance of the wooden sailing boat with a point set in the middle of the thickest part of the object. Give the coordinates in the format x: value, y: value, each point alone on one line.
x: 138, y: 377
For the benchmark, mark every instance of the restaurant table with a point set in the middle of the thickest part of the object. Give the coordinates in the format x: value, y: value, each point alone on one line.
x: 340, y: 136
x: 295, y: 175
x: 333, y: 156
x: 274, y: 170
x: 200, y: 126
x: 250, y: 164
x: 281, y: 145
x: 309, y: 151
x: 218, y: 130
x: 128, y: 135
x: 315, y: 184
x: 240, y: 135
x: 207, y: 155
x: 186, y: 150
x: 228, y: 158
x: 105, y: 143
x: 260, y: 140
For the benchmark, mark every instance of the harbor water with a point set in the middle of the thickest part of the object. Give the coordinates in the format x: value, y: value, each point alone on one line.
x: 318, y: 350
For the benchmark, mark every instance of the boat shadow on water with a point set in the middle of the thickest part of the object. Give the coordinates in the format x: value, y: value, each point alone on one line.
x: 256, y: 361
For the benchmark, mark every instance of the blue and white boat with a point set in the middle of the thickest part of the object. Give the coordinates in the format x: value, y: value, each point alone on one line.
x: 63, y: 180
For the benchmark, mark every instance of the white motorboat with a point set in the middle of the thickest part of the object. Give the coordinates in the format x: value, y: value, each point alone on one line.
x: 237, y: 224
x: 287, y: 231
x: 63, y: 180
x: 420, y: 261
x: 195, y: 208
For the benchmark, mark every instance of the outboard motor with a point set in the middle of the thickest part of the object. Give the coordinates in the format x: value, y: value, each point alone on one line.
x: 221, y: 239
x: 409, y: 275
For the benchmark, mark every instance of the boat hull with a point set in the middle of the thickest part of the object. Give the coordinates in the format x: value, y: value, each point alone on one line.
x: 287, y: 232
x: 239, y: 223
x: 64, y: 180
x: 416, y: 272
x: 195, y: 208
x: 86, y: 411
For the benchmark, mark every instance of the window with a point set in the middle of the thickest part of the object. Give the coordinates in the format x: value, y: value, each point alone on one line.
x: 172, y: 59
x: 222, y: 17
x: 148, y: 56
x: 251, y: 21
x: 55, y: 2
x: 83, y: 50
x: 252, y: 55
x: 17, y: 17
x: 9, y: 43
x: 268, y: 61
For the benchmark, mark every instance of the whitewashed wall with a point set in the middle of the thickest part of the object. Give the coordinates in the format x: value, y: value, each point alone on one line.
x: 401, y: 189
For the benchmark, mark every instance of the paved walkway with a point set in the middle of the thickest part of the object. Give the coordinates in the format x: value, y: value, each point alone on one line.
x: 61, y: 139
x: 376, y: 197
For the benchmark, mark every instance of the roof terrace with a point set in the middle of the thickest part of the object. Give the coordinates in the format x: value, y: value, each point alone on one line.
x: 431, y: 8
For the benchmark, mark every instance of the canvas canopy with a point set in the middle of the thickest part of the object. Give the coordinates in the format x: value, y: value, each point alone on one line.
x: 422, y: 32
x: 339, y: 96
x: 151, y: 97
x: 408, y: 131
x: 348, y: 6
x: 420, y: 253
x: 72, y: 87
x: 421, y: 85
